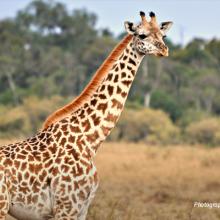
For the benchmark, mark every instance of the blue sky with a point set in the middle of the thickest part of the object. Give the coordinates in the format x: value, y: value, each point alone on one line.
x: 192, y: 18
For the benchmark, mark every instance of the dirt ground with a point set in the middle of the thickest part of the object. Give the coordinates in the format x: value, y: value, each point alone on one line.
x: 139, y: 182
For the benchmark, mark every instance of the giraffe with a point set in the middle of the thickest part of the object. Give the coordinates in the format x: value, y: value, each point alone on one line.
x: 52, y: 175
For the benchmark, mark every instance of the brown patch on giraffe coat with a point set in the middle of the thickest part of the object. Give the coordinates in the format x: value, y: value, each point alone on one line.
x: 102, y: 96
x: 92, y: 137
x: 117, y: 104
x: 65, y: 168
x: 93, y: 102
x: 133, y: 72
x: 123, y: 74
x: 109, y: 77
x: 116, y: 79
x: 111, y: 118
x: 102, y: 88
x: 75, y: 154
x: 114, y: 66
x: 36, y: 187
x: 121, y: 56
x: 127, y: 82
x: 131, y: 61
x: 69, y: 161
x: 85, y: 163
x: 124, y: 94
x: 81, y: 195
x: 96, y: 119
x: 63, y: 141
x: 86, y: 125
x: 64, y: 127
x: 23, y: 187
x: 75, y: 129
x: 110, y: 90
x: 122, y: 66
x: 52, y: 149
x: 26, y: 175
x: 71, y: 139
x: 82, y: 182
x: 61, y: 152
x: 102, y: 107
x: 89, y: 110
x: 80, y: 143
x: 119, y: 90
x: 66, y: 178
x: 74, y: 119
x: 58, y: 135
x: 78, y: 170
x: 58, y: 160
x: 17, y: 164
x: 125, y: 57
x: 76, y: 185
x: 46, y: 155
x: 55, y: 171
x: 8, y: 162
x: 23, y: 166
x: 105, y: 130
x: 43, y: 175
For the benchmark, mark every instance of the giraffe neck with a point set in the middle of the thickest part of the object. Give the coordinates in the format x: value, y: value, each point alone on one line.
x: 92, y: 123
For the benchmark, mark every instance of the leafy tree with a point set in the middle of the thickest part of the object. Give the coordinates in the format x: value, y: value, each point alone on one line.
x: 161, y: 100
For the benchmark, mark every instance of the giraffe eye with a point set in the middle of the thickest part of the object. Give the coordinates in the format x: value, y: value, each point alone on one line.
x: 164, y: 36
x: 142, y: 36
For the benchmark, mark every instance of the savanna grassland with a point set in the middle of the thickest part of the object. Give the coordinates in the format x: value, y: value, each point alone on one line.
x: 139, y: 182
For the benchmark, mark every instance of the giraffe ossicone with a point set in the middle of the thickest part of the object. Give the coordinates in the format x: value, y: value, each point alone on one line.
x: 52, y: 174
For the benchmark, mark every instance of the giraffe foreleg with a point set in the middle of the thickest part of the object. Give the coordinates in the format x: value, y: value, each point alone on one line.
x: 65, y: 206
x: 72, y: 199
x: 84, y: 211
x: 4, y: 194
x: 64, y: 209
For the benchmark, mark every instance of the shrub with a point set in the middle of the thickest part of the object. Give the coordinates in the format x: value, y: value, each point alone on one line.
x: 190, y: 116
x: 206, y: 131
x: 161, y: 100
x: 151, y: 126
x: 27, y: 118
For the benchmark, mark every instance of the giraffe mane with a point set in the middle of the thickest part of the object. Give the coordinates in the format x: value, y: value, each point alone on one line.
x: 91, y: 87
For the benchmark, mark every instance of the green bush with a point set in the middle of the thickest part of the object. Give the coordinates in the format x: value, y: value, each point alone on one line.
x: 206, y: 131
x: 162, y: 100
x: 147, y: 125
x: 190, y: 116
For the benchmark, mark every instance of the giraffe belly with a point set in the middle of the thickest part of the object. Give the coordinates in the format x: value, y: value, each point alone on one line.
x: 39, y: 210
x: 24, y: 213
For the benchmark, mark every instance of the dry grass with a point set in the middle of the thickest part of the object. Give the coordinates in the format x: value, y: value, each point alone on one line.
x: 140, y: 182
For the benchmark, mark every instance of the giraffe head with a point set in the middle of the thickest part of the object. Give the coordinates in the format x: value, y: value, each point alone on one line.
x: 148, y: 36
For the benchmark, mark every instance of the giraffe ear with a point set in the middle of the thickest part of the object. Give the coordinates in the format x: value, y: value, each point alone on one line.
x: 165, y: 26
x: 130, y: 27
